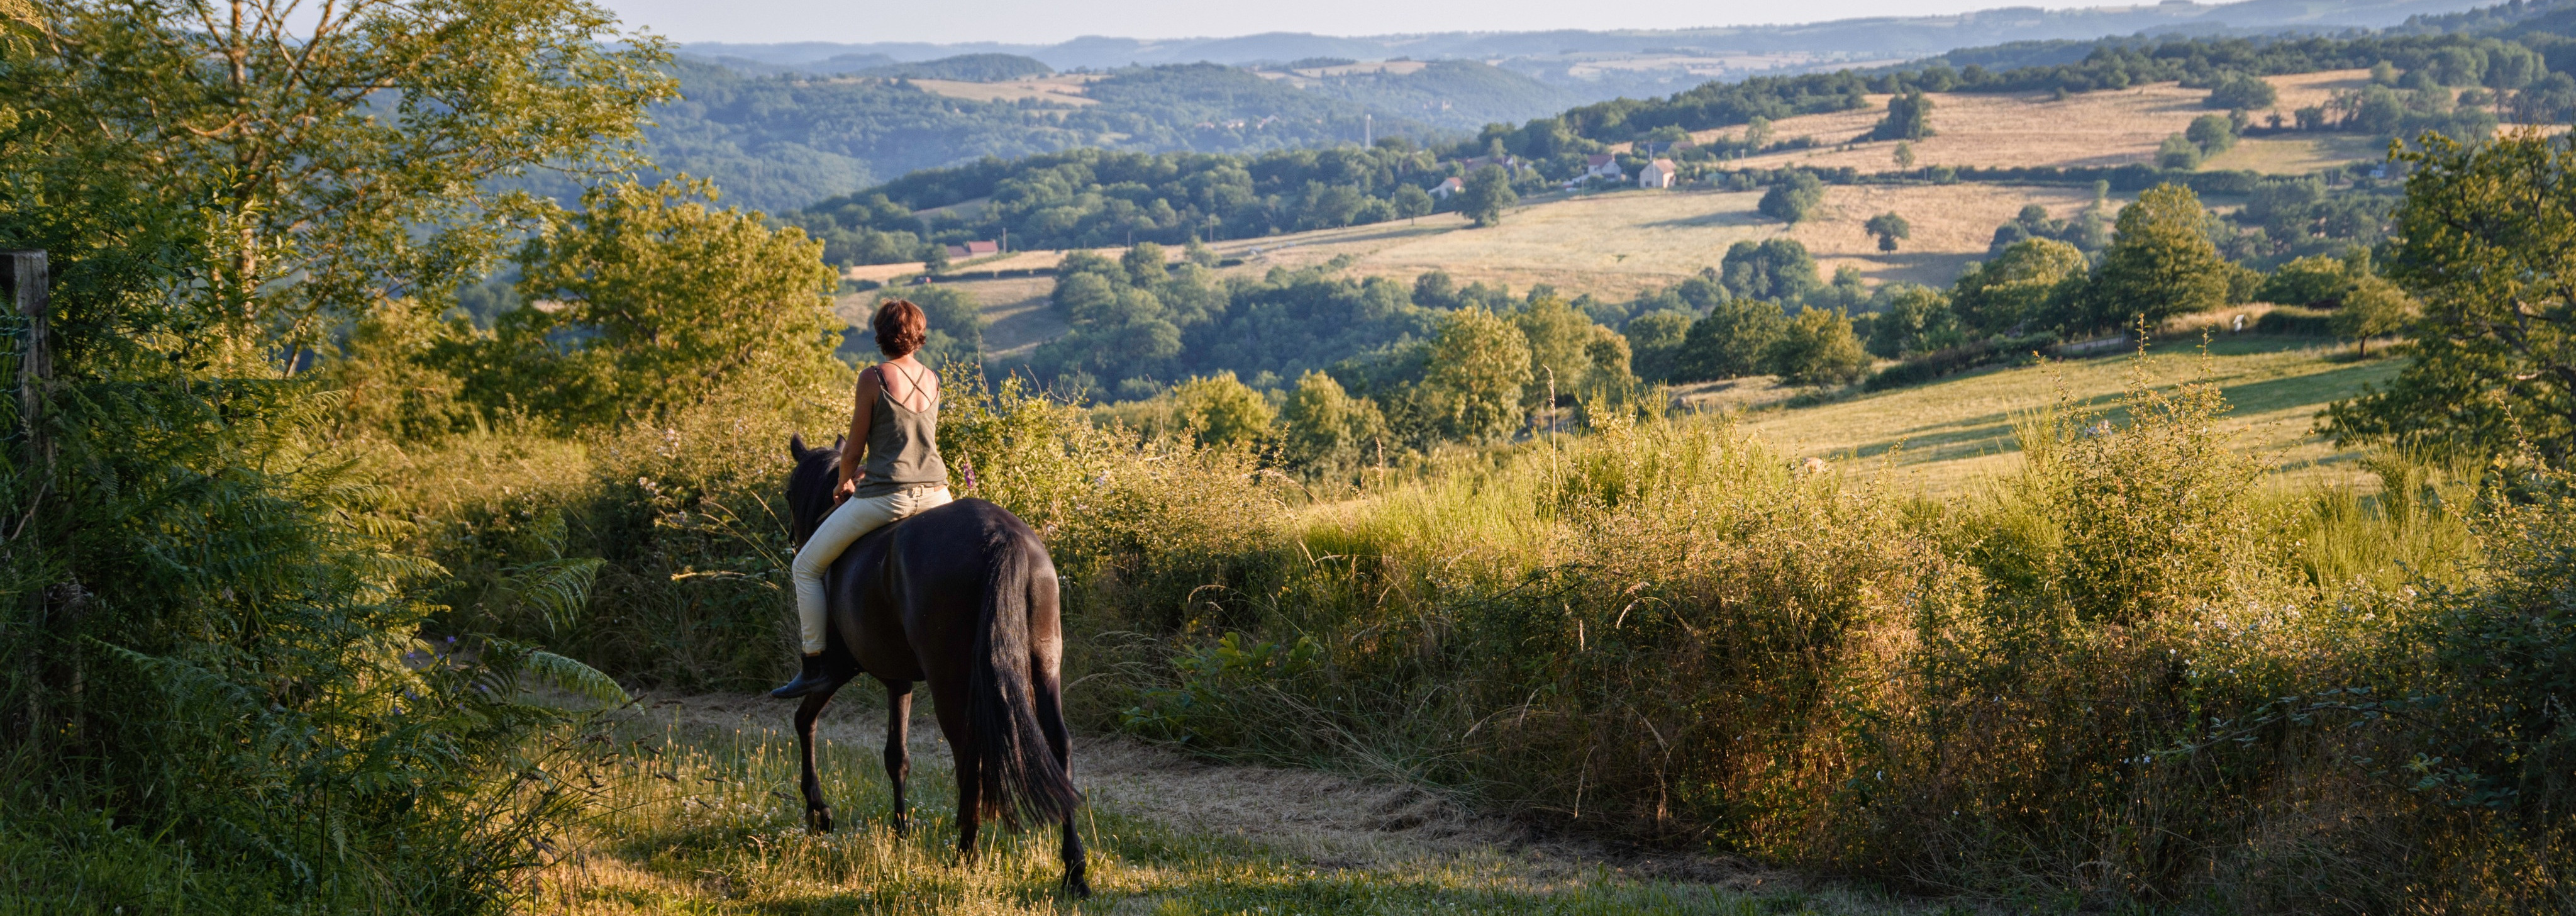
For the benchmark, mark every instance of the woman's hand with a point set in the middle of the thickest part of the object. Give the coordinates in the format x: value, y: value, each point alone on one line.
x: 843, y: 492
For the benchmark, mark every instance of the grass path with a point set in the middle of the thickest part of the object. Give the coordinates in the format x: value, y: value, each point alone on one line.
x: 701, y: 818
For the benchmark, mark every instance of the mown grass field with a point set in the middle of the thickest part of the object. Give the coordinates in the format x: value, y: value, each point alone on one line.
x: 698, y: 815
x: 1615, y: 244
x: 1951, y: 435
x: 1999, y: 130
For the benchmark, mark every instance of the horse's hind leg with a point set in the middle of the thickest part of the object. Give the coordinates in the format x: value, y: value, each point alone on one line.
x: 1050, y: 703
x: 818, y: 815
x: 898, y: 751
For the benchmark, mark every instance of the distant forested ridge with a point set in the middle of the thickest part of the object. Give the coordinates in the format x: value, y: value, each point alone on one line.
x: 1092, y: 197
x: 779, y: 143
x: 2117, y: 63
x: 969, y: 67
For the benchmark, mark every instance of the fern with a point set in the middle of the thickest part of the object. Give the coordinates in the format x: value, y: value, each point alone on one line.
x: 514, y: 661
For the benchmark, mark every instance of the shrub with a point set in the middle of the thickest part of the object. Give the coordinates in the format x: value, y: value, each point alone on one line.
x: 2161, y: 262
x: 1732, y: 340
x: 2178, y: 154
x: 2243, y: 93
x: 1818, y: 348
x: 1793, y: 199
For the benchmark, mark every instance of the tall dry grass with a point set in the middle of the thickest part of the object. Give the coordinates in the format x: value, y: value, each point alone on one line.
x: 2131, y: 673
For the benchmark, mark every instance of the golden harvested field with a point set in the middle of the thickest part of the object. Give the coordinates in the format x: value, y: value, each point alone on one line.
x: 1944, y: 437
x: 1615, y: 244
x: 1998, y: 130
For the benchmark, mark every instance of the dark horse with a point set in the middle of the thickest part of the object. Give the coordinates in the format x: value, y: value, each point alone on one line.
x: 962, y: 596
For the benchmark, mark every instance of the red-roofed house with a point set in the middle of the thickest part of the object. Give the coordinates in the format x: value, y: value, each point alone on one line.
x: 973, y: 250
x: 1601, y: 165
x: 1446, y: 188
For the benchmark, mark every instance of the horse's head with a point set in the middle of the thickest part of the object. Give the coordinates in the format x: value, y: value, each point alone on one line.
x: 809, y: 486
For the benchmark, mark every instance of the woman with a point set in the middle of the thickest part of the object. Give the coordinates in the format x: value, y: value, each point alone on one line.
x: 895, y: 424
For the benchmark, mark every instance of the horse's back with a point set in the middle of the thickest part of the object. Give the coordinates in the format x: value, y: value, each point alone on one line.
x: 922, y: 582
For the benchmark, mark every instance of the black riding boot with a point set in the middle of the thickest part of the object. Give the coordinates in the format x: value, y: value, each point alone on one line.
x: 814, y: 678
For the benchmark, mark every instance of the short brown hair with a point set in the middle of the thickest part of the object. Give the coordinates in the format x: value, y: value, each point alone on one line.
x: 900, y: 327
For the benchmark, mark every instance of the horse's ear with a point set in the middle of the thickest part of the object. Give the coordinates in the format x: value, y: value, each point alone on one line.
x: 796, y: 446
x: 840, y: 442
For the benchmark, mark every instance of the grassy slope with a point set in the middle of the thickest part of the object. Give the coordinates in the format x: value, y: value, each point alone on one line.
x: 2093, y: 129
x: 1946, y: 436
x: 700, y: 818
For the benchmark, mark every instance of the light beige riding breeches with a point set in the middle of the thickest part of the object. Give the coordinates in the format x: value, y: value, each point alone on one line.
x: 855, y: 516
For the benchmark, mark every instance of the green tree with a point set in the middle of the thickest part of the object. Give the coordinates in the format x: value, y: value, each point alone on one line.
x: 2022, y: 286
x: 1909, y: 117
x: 1411, y: 201
x: 1218, y: 410
x: 1818, y: 348
x: 2214, y: 134
x: 1487, y: 194
x: 1323, y: 428
x: 1731, y: 341
x: 2486, y: 240
x: 1474, y: 377
x: 1774, y: 268
x: 1889, y: 227
x: 1794, y: 198
x: 2242, y: 93
x: 668, y: 299
x: 1904, y: 155
x: 2306, y: 281
x: 1655, y: 341
x: 2160, y: 263
x: 330, y: 159
x: 2177, y: 153
x: 2371, y: 308
x: 211, y: 621
x: 1146, y: 264
x: 1561, y: 342
x: 1917, y: 320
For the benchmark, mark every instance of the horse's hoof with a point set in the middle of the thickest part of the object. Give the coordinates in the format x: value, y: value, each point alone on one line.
x: 819, y: 819
x: 1079, y: 888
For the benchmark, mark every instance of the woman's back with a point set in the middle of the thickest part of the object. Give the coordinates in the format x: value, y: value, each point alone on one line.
x: 903, y: 431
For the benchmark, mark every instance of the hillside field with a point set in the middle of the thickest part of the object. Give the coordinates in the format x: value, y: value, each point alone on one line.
x: 1948, y: 436
x: 1616, y: 243
x: 2086, y: 130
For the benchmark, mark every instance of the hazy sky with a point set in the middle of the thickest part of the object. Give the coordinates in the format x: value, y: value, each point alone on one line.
x: 1049, y: 21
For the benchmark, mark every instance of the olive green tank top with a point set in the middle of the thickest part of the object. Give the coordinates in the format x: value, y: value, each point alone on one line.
x: 903, y: 443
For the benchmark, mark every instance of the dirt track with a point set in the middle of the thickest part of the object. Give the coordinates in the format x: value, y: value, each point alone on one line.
x: 1333, y: 821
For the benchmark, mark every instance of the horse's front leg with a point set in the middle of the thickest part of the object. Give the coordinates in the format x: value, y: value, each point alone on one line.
x: 818, y: 815
x: 898, y: 749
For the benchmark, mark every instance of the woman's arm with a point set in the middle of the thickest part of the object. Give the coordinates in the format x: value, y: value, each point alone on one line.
x: 857, y: 444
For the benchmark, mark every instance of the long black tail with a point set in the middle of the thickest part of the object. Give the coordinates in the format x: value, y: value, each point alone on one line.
x: 1021, y: 780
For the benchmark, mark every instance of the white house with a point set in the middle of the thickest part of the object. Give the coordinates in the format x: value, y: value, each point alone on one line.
x: 1657, y: 174
x: 1601, y: 165
x: 1446, y: 188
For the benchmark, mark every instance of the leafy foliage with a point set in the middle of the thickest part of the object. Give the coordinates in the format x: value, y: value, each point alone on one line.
x: 1091, y: 198
x: 2028, y: 284
x: 2484, y: 239
x: 1794, y: 198
x: 216, y: 695
x: 1479, y: 368
x: 660, y: 298
x: 1488, y: 192
x: 2160, y: 263
x: 1909, y: 117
